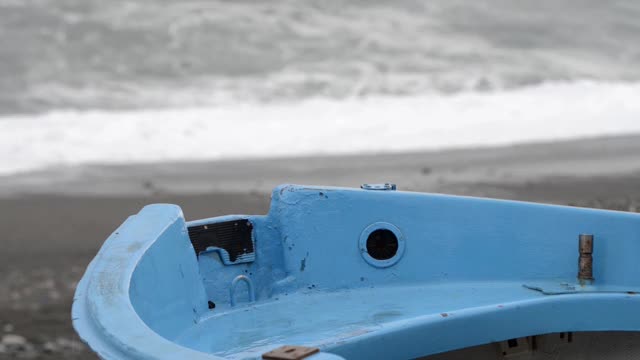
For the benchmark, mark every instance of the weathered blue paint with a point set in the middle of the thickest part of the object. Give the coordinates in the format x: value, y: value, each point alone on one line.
x: 473, y: 271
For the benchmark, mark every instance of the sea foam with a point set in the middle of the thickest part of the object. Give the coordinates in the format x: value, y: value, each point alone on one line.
x: 319, y: 126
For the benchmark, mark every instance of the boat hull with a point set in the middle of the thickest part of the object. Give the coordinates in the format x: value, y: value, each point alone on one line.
x: 357, y: 274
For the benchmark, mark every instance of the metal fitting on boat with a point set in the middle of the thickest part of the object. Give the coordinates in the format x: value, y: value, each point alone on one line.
x: 381, y: 244
x: 385, y: 186
x: 234, y: 285
x: 585, y: 261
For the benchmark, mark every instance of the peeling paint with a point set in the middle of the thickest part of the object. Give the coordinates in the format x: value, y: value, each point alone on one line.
x: 303, y: 262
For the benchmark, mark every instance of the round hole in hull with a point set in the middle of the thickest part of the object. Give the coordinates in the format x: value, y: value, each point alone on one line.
x: 381, y: 244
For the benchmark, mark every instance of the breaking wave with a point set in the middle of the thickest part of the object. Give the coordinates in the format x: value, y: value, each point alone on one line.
x: 315, y: 126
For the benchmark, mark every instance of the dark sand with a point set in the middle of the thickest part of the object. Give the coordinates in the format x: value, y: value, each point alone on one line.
x: 53, y: 222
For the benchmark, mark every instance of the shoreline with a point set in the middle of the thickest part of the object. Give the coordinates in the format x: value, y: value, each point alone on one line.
x: 429, y: 171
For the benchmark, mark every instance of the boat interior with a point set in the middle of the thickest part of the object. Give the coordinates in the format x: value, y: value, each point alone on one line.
x: 371, y: 273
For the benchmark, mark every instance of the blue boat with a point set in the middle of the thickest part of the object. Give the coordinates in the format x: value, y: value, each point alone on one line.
x: 370, y: 273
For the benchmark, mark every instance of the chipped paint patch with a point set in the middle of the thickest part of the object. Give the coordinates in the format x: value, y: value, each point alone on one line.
x: 303, y: 263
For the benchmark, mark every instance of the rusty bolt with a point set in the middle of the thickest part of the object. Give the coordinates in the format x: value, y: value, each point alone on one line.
x: 585, y: 261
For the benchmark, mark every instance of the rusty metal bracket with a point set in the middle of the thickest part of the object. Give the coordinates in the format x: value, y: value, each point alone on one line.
x: 290, y: 352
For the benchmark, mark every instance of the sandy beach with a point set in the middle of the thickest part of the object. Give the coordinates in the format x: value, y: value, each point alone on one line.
x: 54, y: 221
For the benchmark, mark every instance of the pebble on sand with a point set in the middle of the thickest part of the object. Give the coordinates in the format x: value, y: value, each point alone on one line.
x: 13, y: 340
x: 17, y: 346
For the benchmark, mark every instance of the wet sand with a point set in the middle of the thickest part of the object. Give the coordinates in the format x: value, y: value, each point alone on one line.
x: 53, y: 222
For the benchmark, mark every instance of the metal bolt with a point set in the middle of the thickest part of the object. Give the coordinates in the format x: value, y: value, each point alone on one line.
x: 385, y: 186
x: 585, y: 261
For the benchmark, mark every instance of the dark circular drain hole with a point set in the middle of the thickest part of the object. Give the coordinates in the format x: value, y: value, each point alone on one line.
x: 382, y: 244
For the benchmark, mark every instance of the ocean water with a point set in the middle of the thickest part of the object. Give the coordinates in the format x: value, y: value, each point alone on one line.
x: 91, y: 81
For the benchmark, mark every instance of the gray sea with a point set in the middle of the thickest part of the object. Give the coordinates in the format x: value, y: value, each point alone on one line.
x: 130, y: 81
x: 125, y: 54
